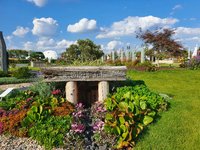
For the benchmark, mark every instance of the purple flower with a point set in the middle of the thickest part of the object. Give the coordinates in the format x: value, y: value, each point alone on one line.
x: 78, y: 128
x: 79, y: 106
x: 98, y: 126
x: 1, y: 127
x: 78, y: 114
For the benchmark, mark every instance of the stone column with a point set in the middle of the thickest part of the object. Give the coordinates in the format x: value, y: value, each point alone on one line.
x: 71, y: 90
x: 3, y: 54
x: 142, y: 55
x: 103, y: 90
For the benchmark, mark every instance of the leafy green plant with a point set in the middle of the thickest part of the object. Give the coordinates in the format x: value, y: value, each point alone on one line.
x: 129, y: 110
x: 51, y: 132
x: 22, y: 72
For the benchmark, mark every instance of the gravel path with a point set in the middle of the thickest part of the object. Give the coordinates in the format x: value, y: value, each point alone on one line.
x: 8, y: 142
x: 20, y: 85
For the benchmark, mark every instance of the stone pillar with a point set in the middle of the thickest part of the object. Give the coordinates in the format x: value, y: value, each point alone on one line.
x: 113, y: 56
x: 71, y: 90
x: 133, y: 55
x: 122, y: 56
x: 142, y: 55
x: 3, y: 54
x: 103, y: 90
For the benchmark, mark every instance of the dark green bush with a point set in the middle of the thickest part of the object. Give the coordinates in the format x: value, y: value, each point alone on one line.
x: 3, y: 74
x: 23, y: 72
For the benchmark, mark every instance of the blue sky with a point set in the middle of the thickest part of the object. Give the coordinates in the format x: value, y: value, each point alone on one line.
x: 56, y: 24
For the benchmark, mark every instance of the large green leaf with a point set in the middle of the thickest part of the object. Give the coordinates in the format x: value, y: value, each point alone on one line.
x: 34, y: 108
x: 127, y: 95
x: 131, y: 106
x: 121, y: 120
x: 109, y: 116
x: 143, y: 105
x: 147, y: 120
x: 123, y: 106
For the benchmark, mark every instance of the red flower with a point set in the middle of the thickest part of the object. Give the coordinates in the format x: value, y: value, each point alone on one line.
x: 56, y: 92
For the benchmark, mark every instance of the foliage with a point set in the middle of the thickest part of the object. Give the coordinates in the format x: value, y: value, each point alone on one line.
x: 162, y: 42
x: 3, y: 74
x: 194, y: 64
x: 178, y: 128
x: 29, y: 113
x: 13, y: 80
x: 22, y: 72
x: 50, y: 132
x: 17, y: 53
x: 130, y: 109
x: 84, y: 50
x: 35, y: 56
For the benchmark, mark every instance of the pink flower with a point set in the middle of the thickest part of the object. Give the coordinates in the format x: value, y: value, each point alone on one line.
x: 98, y: 126
x: 28, y: 99
x: 78, y: 128
x: 56, y: 92
x: 79, y: 106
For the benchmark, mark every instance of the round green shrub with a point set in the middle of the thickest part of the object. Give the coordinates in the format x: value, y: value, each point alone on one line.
x: 22, y: 72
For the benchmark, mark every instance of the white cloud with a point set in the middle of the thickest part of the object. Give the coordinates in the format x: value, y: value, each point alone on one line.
x: 21, y: 31
x: 9, y: 37
x: 113, y: 45
x: 39, y: 3
x: 44, y: 27
x: 28, y: 45
x: 63, y: 44
x: 130, y: 25
x: 83, y: 25
x: 44, y: 44
x: 178, y: 6
x: 187, y: 31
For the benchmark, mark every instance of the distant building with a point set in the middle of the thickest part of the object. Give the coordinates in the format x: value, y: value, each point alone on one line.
x: 49, y: 54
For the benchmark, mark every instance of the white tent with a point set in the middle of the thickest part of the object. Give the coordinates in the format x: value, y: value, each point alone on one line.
x: 49, y: 54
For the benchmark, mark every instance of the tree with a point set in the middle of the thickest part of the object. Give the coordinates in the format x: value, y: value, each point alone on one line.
x: 84, y: 50
x: 163, y: 45
x: 17, y: 53
x: 37, y: 56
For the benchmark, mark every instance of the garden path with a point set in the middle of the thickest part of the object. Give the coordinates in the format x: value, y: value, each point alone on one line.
x: 20, y: 85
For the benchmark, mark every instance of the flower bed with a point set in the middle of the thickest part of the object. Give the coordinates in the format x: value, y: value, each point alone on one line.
x: 43, y: 114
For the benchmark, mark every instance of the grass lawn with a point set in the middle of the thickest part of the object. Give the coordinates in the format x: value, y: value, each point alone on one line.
x: 179, y: 127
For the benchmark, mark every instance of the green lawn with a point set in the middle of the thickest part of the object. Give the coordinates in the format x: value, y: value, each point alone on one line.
x: 179, y: 127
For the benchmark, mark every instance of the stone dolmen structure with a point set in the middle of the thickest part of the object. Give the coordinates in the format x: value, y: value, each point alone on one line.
x: 3, y: 54
x: 85, y: 84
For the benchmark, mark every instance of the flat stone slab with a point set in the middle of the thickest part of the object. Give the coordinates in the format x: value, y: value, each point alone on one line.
x: 84, y: 73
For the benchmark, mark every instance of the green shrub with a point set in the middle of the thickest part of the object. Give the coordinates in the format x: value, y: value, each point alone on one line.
x: 3, y: 74
x: 13, y: 80
x: 23, y: 72
x: 51, y: 131
x: 130, y: 109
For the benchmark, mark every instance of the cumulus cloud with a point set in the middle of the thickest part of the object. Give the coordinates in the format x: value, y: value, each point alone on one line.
x: 39, y: 3
x: 130, y: 25
x: 187, y: 31
x: 20, y: 31
x: 28, y: 45
x: 44, y: 27
x: 63, y: 44
x: 112, y: 45
x: 83, y: 25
